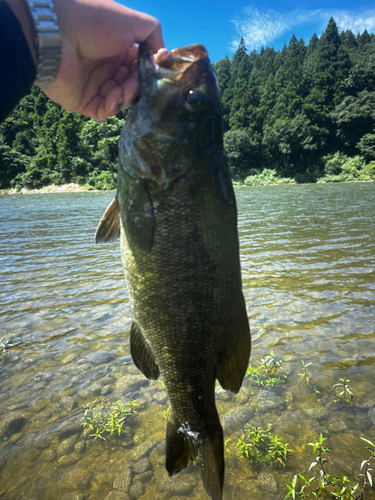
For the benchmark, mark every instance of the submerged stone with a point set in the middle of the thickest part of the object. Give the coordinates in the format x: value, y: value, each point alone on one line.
x: 267, y: 482
x: 10, y: 424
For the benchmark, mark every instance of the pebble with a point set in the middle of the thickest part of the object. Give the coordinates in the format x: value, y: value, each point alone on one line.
x: 117, y: 495
x: 67, y: 460
x: 69, y: 359
x: 143, y: 449
x: 136, y: 490
x: 48, y: 455
x: 13, y: 439
x: 141, y: 466
x: 237, y: 419
x: 122, y: 482
x: 41, y: 441
x: 99, y: 358
x: 95, y: 388
x: 131, y: 383
x: 66, y: 446
x: 80, y: 447
x: 371, y: 415
x: 145, y: 477
x: 107, y: 389
x: 267, y: 482
x: 178, y: 485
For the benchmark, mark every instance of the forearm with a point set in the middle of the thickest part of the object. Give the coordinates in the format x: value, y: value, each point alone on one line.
x: 17, y: 66
x: 21, y: 10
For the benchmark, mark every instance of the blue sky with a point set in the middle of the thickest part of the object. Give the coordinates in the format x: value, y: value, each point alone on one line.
x: 219, y: 25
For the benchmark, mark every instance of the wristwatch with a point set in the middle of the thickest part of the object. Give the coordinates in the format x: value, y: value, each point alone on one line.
x: 47, y: 40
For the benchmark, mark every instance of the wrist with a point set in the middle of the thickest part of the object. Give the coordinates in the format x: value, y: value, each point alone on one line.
x: 47, y: 40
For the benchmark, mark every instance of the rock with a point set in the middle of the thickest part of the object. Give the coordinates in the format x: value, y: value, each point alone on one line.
x: 69, y: 359
x: 178, y: 485
x: 223, y: 395
x: 74, y: 496
x: 371, y: 415
x: 117, y: 495
x: 267, y: 401
x: 95, y: 388
x: 48, y: 455
x: 145, y: 477
x: 136, y: 490
x: 80, y: 447
x: 67, y: 403
x: 143, y: 449
x: 160, y: 397
x: 69, y: 427
x: 267, y: 482
x: 107, y: 389
x: 41, y: 441
x: 122, y: 482
x: 99, y: 357
x: 141, y: 466
x: 67, y: 460
x: 131, y: 383
x: 237, y: 419
x: 13, y: 439
x: 66, y: 446
x: 10, y: 424
x: 317, y: 412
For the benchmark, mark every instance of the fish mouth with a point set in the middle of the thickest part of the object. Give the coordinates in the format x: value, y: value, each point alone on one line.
x: 172, y: 64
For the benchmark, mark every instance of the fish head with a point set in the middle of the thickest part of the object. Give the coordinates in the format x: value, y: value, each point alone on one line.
x: 177, y: 118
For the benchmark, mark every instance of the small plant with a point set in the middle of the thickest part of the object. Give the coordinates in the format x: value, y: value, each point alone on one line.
x: 166, y: 414
x: 306, y: 374
x: 226, y: 448
x: 263, y: 373
x: 263, y: 447
x: 107, y: 423
x: 343, y: 391
x: 324, y: 487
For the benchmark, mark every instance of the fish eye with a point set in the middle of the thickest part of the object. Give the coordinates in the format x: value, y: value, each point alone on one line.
x: 193, y: 96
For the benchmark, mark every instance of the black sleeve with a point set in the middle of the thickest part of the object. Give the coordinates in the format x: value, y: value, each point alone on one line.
x: 17, y: 69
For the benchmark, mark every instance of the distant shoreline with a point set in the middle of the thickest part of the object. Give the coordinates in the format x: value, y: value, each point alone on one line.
x: 52, y: 188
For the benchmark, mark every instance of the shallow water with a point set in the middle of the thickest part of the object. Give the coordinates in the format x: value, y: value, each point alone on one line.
x: 308, y: 258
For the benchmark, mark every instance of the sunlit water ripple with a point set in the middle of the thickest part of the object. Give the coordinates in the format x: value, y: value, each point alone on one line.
x: 308, y: 258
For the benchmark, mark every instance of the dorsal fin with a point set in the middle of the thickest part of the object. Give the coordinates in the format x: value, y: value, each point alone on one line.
x: 109, y: 226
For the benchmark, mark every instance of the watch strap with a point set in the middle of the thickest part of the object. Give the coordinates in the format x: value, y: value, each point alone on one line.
x: 48, y: 40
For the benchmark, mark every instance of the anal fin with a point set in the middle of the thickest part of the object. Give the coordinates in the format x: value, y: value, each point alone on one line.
x: 109, y: 226
x: 234, y: 358
x: 142, y: 353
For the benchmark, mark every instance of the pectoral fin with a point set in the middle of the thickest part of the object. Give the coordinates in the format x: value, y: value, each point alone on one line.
x: 142, y: 353
x: 234, y: 358
x: 109, y: 225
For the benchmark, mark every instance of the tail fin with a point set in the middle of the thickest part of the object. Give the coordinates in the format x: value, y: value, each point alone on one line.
x: 182, y: 446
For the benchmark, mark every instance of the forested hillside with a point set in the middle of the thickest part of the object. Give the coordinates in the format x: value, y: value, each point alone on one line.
x: 302, y: 114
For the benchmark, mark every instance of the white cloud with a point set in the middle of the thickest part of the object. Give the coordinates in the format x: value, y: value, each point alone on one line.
x: 262, y: 27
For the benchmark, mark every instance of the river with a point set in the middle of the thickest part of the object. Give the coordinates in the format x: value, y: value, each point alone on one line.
x: 308, y: 259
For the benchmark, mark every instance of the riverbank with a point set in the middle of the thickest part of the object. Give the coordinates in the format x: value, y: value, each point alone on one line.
x: 52, y: 188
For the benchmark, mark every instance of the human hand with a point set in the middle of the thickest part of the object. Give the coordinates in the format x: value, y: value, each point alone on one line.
x: 98, y: 70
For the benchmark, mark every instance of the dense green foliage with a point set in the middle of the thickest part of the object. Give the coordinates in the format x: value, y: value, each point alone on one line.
x: 302, y: 114
x: 40, y: 143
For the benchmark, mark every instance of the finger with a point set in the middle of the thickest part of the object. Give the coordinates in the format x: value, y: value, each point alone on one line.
x: 130, y: 91
x: 121, y: 74
x: 155, y: 40
x: 106, y: 88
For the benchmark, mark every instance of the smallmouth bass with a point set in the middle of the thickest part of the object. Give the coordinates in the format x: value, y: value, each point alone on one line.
x: 175, y: 213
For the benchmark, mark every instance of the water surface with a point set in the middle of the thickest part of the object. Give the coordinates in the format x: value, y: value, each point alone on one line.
x: 308, y: 257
